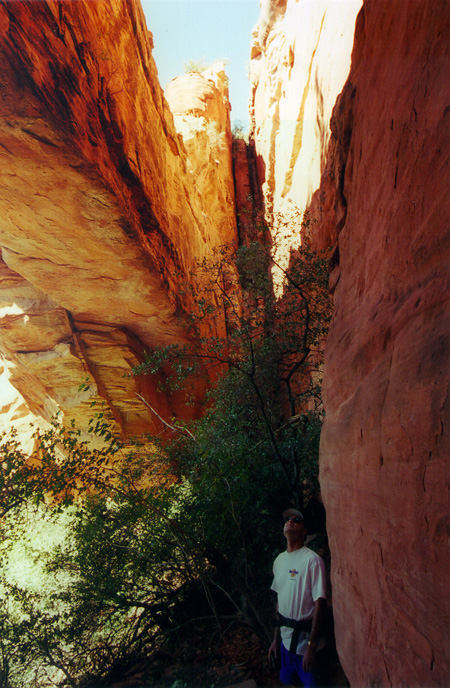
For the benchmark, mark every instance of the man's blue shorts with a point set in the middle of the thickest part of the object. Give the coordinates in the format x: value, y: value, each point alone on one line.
x: 292, y: 670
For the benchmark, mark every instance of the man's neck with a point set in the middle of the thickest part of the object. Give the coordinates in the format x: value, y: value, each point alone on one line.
x: 293, y: 546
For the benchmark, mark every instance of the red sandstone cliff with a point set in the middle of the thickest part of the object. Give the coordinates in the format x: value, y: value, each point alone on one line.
x: 385, y: 449
x: 100, y: 217
x: 201, y: 110
x: 378, y: 188
x: 99, y: 213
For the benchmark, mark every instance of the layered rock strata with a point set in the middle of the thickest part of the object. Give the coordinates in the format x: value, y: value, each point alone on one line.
x: 100, y: 219
x: 104, y: 204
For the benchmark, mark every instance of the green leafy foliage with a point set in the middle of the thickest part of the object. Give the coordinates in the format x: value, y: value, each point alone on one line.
x: 264, y: 346
x: 111, y: 587
x: 238, y: 132
x: 148, y: 527
x: 197, y: 66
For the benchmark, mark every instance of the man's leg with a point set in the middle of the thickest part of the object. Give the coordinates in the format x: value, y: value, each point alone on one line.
x: 289, y: 665
x: 292, y: 670
x: 306, y: 677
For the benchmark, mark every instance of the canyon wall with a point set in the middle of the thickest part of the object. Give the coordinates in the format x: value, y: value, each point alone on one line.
x: 201, y: 112
x: 385, y: 449
x: 378, y: 191
x: 300, y: 59
x: 107, y: 201
x: 102, y: 215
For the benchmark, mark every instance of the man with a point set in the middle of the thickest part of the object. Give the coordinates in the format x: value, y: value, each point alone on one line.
x: 299, y: 581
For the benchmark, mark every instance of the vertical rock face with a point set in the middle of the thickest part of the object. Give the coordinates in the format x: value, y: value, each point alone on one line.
x: 201, y: 110
x: 105, y: 203
x: 100, y: 219
x: 300, y: 59
x: 378, y: 189
x: 385, y: 448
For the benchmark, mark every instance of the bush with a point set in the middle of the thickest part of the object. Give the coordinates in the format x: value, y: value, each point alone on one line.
x: 196, y: 66
x: 145, y: 527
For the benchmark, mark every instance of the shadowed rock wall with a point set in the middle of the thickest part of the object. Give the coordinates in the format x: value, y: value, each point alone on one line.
x: 375, y: 177
x: 100, y: 214
x: 385, y: 445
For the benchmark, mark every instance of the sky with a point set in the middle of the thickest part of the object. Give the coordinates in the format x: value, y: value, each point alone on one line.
x: 208, y: 30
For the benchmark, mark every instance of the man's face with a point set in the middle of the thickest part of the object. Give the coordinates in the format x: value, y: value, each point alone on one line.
x: 294, y: 527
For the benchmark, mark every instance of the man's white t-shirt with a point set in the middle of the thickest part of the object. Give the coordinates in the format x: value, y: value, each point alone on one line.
x: 299, y: 581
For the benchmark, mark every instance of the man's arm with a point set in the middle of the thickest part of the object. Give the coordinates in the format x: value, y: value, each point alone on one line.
x: 310, y: 654
x: 273, y: 649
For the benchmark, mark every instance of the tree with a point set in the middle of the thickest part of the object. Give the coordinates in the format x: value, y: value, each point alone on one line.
x: 145, y: 528
x: 270, y: 345
x: 114, y: 585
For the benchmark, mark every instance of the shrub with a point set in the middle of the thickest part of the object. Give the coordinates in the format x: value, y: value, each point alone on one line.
x: 196, y: 66
x: 146, y: 526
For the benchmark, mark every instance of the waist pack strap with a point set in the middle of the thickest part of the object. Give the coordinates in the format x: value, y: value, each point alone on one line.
x: 301, y: 626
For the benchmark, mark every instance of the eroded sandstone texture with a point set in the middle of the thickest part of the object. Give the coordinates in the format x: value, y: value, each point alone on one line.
x: 300, y: 59
x: 379, y: 191
x: 201, y: 111
x: 104, y: 202
x: 385, y: 449
x: 100, y: 219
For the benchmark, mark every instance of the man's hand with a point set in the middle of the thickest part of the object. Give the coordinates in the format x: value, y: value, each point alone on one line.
x: 309, y: 658
x: 310, y: 655
x: 273, y: 649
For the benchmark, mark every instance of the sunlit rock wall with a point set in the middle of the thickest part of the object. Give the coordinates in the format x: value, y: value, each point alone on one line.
x: 100, y: 217
x: 201, y: 110
x: 300, y: 59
